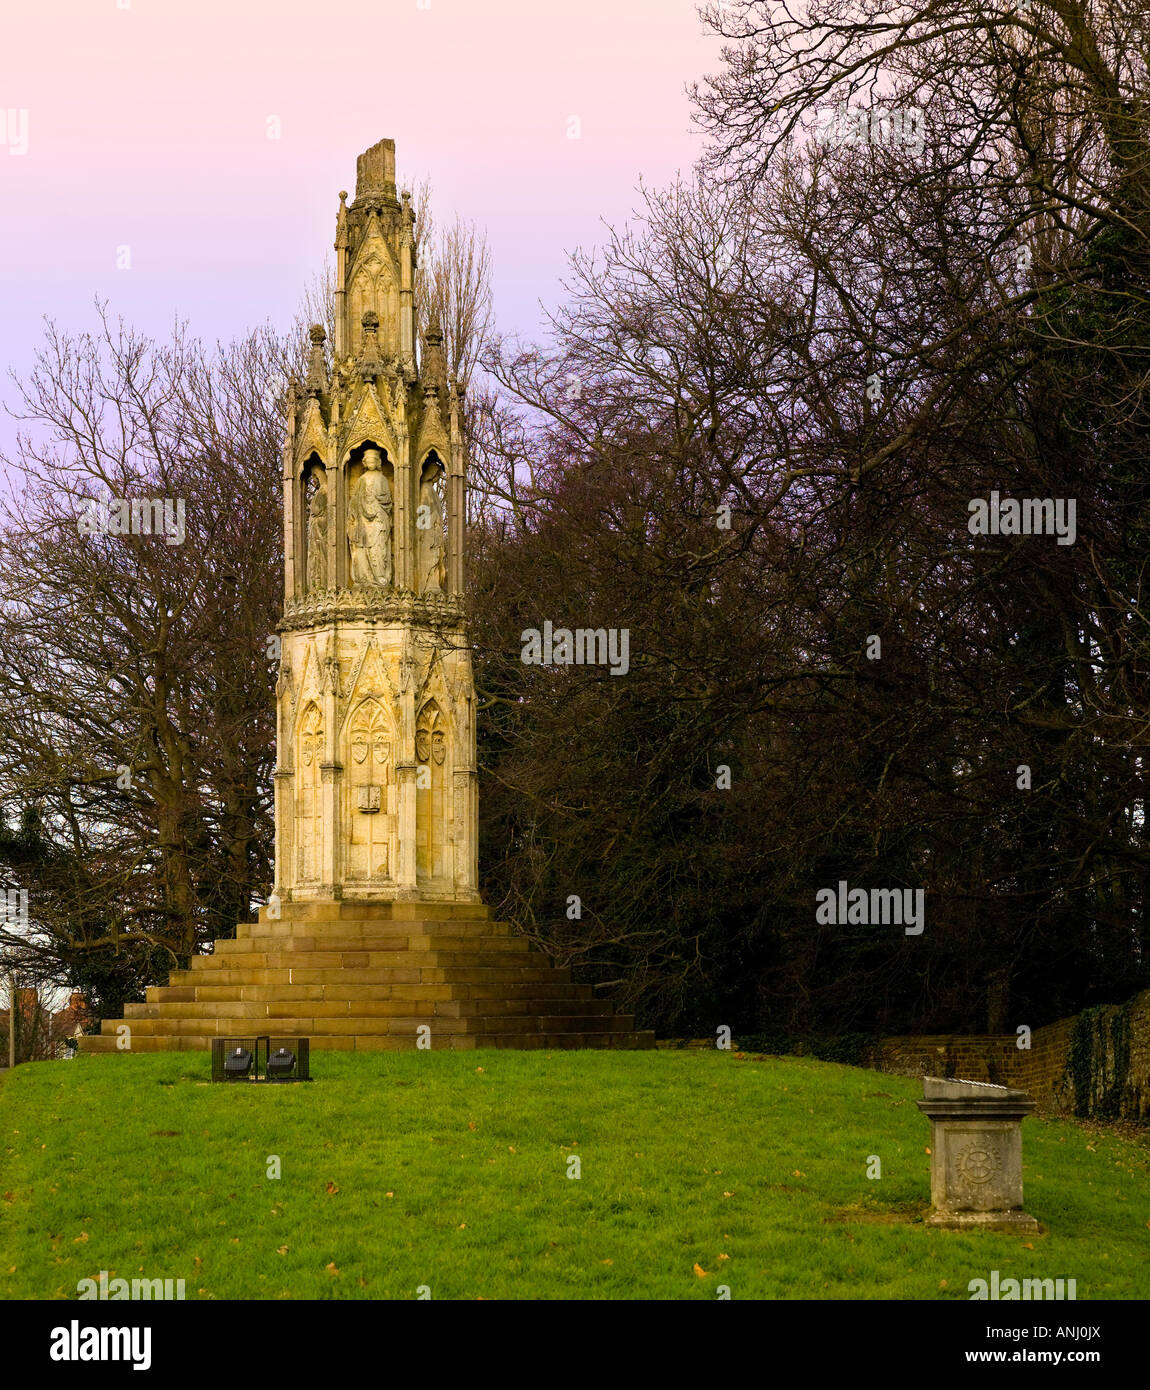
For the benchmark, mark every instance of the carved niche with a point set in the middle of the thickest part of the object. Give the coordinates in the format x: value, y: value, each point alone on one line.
x: 309, y: 802
x: 369, y: 527
x: 370, y: 792
x: 316, y: 491
x: 431, y: 544
x: 431, y: 803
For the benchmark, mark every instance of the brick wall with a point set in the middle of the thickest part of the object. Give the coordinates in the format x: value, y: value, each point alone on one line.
x: 1042, y: 1069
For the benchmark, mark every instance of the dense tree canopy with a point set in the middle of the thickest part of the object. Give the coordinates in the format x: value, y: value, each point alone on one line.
x: 752, y: 442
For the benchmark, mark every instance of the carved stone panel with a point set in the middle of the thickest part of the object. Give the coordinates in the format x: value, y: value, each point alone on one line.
x: 368, y: 769
x: 309, y: 800
x: 432, y: 805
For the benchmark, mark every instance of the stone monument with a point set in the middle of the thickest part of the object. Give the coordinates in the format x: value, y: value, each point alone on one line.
x: 375, y: 934
x: 976, y: 1154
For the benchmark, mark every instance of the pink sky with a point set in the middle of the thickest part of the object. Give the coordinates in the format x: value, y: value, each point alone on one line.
x: 147, y: 128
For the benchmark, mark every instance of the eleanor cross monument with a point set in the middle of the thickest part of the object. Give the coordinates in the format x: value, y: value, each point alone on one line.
x: 375, y: 783
x: 375, y: 935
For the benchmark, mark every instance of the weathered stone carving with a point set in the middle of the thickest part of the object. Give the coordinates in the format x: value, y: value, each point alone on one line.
x: 317, y: 534
x: 369, y: 524
x: 376, y: 789
x: 976, y: 1154
x: 429, y: 530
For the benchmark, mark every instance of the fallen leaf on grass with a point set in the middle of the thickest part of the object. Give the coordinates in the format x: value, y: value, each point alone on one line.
x: 282, y: 1250
x: 728, y: 1194
x: 83, y: 1236
x: 472, y: 1125
x: 724, y: 1257
x: 462, y: 1226
x: 606, y: 1262
x: 389, y: 1194
x: 331, y: 1269
x: 331, y: 1189
x: 700, y: 1271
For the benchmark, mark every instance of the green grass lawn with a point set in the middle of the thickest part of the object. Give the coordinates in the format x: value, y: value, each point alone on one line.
x: 450, y: 1170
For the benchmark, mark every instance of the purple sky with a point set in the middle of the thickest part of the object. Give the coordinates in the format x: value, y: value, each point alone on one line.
x: 147, y: 128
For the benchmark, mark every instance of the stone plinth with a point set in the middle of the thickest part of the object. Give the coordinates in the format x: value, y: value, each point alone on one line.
x: 976, y: 1154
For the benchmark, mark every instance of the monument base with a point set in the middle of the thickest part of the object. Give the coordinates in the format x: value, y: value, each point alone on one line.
x: 362, y: 976
x: 983, y: 1221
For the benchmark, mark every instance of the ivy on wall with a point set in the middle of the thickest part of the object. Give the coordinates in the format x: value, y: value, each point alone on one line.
x: 1098, y: 1060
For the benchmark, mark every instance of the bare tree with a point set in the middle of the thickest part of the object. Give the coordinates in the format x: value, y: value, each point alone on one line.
x: 138, y: 567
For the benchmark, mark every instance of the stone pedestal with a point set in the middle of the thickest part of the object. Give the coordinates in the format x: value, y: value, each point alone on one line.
x: 976, y: 1154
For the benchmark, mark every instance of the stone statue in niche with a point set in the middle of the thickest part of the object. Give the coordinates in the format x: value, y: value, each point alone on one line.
x: 317, y: 533
x: 429, y: 531
x: 369, y: 524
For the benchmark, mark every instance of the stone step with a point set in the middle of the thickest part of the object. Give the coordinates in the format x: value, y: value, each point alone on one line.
x: 368, y: 927
x: 191, y: 1042
x: 244, y: 1011
x: 235, y: 1025
x: 389, y: 941
x: 510, y: 998
x: 230, y: 1001
x: 349, y: 910
x: 469, y: 976
x: 366, y: 960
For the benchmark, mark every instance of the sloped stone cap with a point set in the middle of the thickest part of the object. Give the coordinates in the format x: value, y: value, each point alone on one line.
x: 950, y: 1097
x: 951, y: 1088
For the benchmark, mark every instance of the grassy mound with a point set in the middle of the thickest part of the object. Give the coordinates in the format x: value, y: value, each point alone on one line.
x: 451, y: 1171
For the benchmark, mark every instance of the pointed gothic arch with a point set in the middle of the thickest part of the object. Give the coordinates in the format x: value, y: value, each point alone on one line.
x: 367, y: 752
x: 309, y: 794
x: 433, y: 755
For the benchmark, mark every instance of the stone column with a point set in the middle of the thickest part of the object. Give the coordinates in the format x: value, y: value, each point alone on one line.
x: 339, y: 347
x: 456, y: 501
x: 402, y: 559
x: 406, y: 295
x: 283, y: 783
x: 336, y: 540
x: 976, y: 1154
x: 330, y: 769
x: 406, y: 769
x: 339, y: 577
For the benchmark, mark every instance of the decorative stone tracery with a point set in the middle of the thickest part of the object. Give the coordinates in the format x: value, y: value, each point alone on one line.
x: 376, y: 779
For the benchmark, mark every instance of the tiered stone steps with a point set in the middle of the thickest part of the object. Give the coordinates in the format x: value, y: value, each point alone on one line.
x: 366, y: 977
